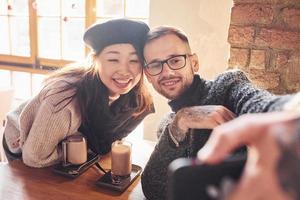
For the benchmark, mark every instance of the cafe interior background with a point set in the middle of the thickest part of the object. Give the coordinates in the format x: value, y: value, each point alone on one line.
x: 261, y: 37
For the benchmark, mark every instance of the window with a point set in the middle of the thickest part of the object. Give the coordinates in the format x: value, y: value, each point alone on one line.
x: 36, y: 34
x: 60, y: 29
x: 25, y: 84
x: 5, y: 77
x: 134, y: 9
x: 14, y: 25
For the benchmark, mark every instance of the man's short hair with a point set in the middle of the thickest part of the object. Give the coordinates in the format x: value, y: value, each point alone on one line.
x: 161, y: 31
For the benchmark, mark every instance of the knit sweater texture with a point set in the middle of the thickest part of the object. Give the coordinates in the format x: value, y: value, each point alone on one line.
x: 36, y: 128
x: 231, y: 89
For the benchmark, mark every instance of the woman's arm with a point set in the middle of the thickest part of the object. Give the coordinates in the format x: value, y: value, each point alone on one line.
x: 48, y: 128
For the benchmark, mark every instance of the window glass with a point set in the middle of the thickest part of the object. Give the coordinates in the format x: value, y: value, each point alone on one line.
x: 20, y: 44
x: 133, y: 9
x: 3, y: 7
x: 21, y: 84
x: 72, y: 42
x: 48, y: 8
x: 4, y: 39
x: 73, y: 8
x: 60, y: 33
x: 19, y: 7
x: 49, y: 38
x: 108, y: 8
x: 14, y: 28
x: 137, y: 8
x: 5, y: 78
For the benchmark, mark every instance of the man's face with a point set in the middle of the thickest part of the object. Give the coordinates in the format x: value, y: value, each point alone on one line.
x: 170, y: 83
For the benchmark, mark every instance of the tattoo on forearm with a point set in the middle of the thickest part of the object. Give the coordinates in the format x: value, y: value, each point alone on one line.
x: 199, y: 112
x: 178, y: 133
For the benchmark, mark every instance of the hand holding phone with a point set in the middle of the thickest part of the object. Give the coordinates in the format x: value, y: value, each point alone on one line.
x: 188, y: 180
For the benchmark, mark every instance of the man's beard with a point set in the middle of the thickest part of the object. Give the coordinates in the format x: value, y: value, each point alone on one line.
x: 172, y: 96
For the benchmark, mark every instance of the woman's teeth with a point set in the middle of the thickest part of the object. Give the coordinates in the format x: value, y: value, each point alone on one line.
x: 122, y: 81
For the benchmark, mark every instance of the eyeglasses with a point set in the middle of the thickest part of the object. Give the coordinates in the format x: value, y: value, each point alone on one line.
x: 175, y: 62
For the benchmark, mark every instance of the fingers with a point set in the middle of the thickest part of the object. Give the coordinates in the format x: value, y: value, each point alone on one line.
x: 225, y: 138
x: 244, y: 189
x: 219, y: 146
x: 219, y: 115
x: 225, y: 114
x: 228, y: 136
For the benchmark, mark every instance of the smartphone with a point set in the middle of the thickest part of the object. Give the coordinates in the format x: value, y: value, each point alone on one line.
x: 74, y: 171
x: 106, y: 181
x: 188, y: 180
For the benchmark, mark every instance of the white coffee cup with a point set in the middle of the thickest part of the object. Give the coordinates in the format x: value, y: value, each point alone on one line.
x: 74, y: 150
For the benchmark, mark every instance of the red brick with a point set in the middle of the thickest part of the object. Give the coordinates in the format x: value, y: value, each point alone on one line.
x: 281, y: 59
x: 238, y: 58
x: 266, y: 1
x: 256, y: 1
x: 241, y: 36
x: 291, y: 17
x: 295, y: 66
x: 252, y: 14
x: 258, y: 59
x: 291, y: 73
x: 278, y: 39
x: 288, y: 2
x: 264, y: 79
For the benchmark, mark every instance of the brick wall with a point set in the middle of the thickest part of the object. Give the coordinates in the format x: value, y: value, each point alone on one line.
x: 265, y: 42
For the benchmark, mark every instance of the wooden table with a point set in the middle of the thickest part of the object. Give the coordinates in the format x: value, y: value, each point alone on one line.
x: 19, y: 182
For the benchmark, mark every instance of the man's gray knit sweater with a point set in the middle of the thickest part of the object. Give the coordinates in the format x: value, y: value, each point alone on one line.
x: 232, y: 90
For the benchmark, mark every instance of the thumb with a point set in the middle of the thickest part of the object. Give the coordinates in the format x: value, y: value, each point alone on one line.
x: 217, y: 148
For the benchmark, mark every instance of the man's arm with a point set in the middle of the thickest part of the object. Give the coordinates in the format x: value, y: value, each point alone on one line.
x: 243, y: 97
x: 197, y: 117
x: 175, y: 142
x: 154, y: 178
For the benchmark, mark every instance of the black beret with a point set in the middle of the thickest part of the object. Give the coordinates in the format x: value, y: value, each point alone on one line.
x: 116, y: 31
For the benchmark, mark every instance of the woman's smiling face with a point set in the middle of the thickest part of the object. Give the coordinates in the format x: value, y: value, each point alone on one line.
x: 119, y: 68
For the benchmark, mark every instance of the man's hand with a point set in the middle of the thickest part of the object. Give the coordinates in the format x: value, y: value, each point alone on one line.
x: 258, y: 131
x: 248, y: 130
x: 199, y: 117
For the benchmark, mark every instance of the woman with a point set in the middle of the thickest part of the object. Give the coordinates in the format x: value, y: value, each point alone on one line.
x: 104, y: 100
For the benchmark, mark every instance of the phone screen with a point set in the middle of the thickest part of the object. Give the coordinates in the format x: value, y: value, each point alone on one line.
x: 186, y: 180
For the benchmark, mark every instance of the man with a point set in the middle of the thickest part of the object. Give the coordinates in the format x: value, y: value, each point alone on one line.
x: 272, y: 168
x: 197, y: 103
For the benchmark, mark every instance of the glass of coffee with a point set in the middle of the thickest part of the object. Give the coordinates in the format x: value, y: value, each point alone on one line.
x: 120, y: 160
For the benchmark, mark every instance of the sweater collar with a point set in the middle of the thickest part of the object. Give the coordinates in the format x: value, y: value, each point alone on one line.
x: 191, y: 96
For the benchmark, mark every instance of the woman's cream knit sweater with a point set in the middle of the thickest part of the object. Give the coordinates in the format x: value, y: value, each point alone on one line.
x: 37, y: 127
